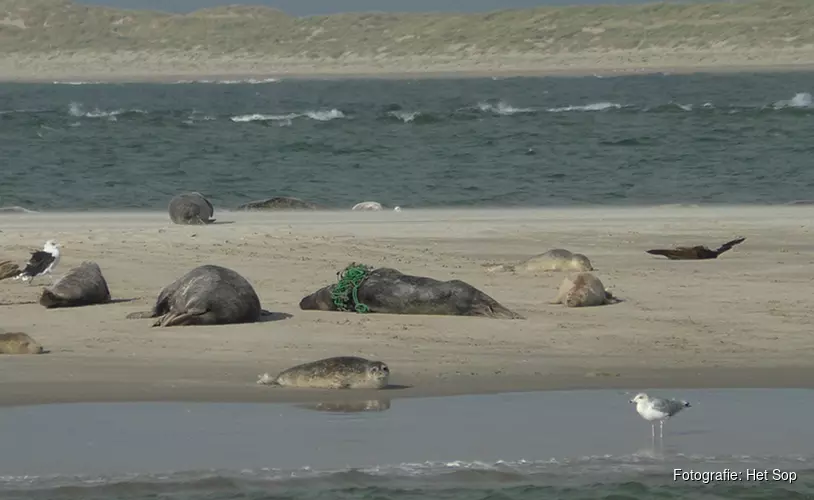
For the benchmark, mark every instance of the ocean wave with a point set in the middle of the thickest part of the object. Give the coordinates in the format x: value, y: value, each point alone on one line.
x: 76, y: 109
x: 597, y: 106
x: 641, y: 462
x: 502, y: 108
x: 800, y: 100
x: 322, y: 116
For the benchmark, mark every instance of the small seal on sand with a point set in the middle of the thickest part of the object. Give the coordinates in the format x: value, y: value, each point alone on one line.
x: 191, y: 208
x: 343, y: 372
x: 368, y: 206
x: 557, y: 259
x: 8, y: 269
x: 19, y: 343
x: 388, y: 291
x: 279, y: 203
x: 695, y: 253
x: 583, y: 290
x: 207, y: 295
x: 83, y: 285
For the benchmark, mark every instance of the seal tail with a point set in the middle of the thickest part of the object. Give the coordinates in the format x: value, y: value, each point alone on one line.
x: 266, y: 379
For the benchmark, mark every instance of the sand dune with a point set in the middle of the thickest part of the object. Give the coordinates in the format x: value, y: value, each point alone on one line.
x: 741, y: 320
x: 63, y: 40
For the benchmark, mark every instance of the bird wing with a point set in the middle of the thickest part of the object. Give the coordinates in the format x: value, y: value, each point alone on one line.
x: 668, y: 406
x: 726, y: 246
x: 39, y: 260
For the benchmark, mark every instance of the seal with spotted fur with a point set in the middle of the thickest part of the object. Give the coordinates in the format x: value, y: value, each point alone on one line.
x: 557, y: 259
x: 342, y: 372
x: 19, y: 343
x: 583, y: 290
x: 207, y: 295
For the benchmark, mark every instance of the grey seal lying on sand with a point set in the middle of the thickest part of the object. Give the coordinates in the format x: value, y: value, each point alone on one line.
x: 557, y: 259
x: 207, y: 295
x: 695, y: 253
x: 191, y: 208
x: 83, y: 285
x: 342, y: 372
x: 583, y: 290
x: 389, y: 291
x: 278, y: 203
x: 19, y: 343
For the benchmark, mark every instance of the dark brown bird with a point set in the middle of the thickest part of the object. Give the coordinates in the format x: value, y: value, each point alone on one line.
x: 695, y: 253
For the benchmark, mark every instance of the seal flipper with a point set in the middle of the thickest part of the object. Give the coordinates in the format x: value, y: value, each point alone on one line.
x: 141, y: 315
x: 186, y: 318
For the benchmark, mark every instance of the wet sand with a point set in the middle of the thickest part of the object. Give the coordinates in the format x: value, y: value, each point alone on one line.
x: 742, y: 320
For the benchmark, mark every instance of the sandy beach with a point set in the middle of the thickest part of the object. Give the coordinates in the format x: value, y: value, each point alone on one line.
x: 740, y: 321
x: 160, y: 67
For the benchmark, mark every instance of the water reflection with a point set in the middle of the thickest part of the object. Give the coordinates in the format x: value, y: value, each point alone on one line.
x: 349, y: 406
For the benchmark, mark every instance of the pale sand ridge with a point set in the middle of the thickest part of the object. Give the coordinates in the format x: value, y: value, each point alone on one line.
x: 742, y: 320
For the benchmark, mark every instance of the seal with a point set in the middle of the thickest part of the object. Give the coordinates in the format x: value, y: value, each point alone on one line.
x: 557, y: 259
x: 207, y: 295
x: 19, y: 343
x: 342, y: 372
x: 191, y: 208
x: 368, y: 206
x: 349, y: 406
x: 698, y: 252
x: 278, y: 203
x: 386, y: 290
x: 83, y: 285
x: 583, y: 290
x: 8, y: 269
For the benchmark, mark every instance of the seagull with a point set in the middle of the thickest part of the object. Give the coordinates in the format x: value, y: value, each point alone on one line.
x: 652, y: 409
x: 41, y: 262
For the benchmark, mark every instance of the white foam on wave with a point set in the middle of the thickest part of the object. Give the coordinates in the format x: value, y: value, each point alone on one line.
x: 502, y: 108
x: 76, y: 109
x: 800, y: 100
x: 405, y: 116
x: 322, y: 116
x: 596, y: 106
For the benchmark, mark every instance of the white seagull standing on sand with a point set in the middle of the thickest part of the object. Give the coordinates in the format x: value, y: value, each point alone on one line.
x: 41, y: 262
x: 652, y: 409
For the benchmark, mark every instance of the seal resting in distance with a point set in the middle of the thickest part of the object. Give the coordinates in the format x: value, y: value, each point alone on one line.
x: 342, y: 372
x: 83, y: 285
x: 583, y: 290
x: 278, y: 203
x: 367, y: 206
x: 8, y: 269
x: 695, y: 253
x: 207, y: 295
x: 191, y: 208
x: 386, y: 290
x: 19, y: 343
x: 557, y: 259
